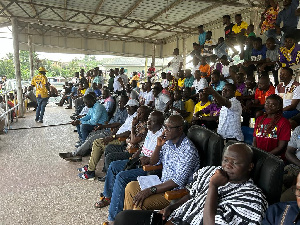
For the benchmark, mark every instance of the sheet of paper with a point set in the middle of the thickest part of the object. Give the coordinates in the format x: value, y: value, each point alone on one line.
x: 148, y: 181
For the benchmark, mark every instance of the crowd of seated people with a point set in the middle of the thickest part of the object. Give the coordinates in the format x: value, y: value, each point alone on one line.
x: 144, y: 123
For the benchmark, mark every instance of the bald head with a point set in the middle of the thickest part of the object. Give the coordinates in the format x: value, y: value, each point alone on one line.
x: 237, y: 162
x: 244, y: 151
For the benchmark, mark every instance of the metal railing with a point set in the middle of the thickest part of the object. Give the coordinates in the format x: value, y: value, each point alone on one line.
x: 8, y: 111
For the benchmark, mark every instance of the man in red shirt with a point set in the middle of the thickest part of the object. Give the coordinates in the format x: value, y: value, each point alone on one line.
x: 264, y: 90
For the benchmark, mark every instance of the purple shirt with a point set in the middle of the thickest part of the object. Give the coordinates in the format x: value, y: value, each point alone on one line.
x: 289, y: 59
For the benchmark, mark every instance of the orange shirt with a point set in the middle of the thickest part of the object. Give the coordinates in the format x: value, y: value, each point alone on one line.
x: 261, y: 95
x: 205, y: 69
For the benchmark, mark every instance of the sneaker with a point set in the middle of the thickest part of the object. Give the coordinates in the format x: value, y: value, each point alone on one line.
x: 74, y: 159
x: 66, y: 155
x: 89, y: 175
x: 40, y: 121
x: 83, y: 169
x: 36, y: 120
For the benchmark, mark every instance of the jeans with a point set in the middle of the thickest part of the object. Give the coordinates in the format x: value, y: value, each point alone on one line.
x: 86, y: 147
x: 115, y: 183
x: 40, y: 110
x: 112, y: 152
x: 85, y: 129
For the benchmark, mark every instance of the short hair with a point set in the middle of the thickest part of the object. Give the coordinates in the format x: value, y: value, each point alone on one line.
x: 200, y: 26
x: 124, y: 97
x: 159, y: 116
x: 258, y: 39
x: 291, y: 72
x: 238, y: 15
x: 226, y: 16
x: 291, y: 36
x: 209, y: 32
x: 217, y: 73
x: 271, y: 39
x: 91, y: 96
x: 232, y: 86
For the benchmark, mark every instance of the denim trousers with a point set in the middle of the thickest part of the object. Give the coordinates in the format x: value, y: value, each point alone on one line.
x: 40, y: 110
x: 85, y: 129
x: 115, y: 183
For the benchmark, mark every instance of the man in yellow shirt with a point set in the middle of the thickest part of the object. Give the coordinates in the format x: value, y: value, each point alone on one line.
x: 239, y: 37
x: 40, y: 82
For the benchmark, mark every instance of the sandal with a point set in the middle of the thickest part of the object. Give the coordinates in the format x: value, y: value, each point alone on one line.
x: 102, y: 203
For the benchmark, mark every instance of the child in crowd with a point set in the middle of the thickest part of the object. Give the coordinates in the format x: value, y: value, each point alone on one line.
x: 178, y: 104
x: 181, y: 79
x: 206, y: 113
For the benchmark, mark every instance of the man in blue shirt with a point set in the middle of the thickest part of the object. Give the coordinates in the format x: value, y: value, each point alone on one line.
x: 96, y: 115
x: 101, y: 131
x: 258, y: 56
x: 202, y: 36
x: 288, y: 17
x: 180, y: 160
x: 285, y: 212
x: 189, y: 79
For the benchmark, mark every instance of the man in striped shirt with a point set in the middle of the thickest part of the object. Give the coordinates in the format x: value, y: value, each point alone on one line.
x: 217, y: 195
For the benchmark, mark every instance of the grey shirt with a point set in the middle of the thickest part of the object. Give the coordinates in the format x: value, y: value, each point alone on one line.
x: 273, y: 55
x: 295, y: 141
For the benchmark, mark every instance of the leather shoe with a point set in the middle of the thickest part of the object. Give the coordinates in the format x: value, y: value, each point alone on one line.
x: 74, y: 159
x: 66, y: 155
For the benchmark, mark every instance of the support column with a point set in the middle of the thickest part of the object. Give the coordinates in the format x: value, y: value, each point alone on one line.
x: 30, y: 56
x: 153, y: 55
x: 17, y: 64
x: 184, y: 52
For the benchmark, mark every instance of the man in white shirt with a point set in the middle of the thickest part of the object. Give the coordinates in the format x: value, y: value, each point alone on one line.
x: 199, y: 82
x: 289, y: 91
x: 176, y: 62
x: 148, y: 95
x: 230, y: 115
x: 161, y: 101
x: 88, y: 171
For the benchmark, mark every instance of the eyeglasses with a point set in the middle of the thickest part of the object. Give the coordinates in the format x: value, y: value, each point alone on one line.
x: 296, y: 191
x: 169, y: 128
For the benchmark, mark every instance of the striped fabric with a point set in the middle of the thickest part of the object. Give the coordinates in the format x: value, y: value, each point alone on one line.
x: 237, y: 204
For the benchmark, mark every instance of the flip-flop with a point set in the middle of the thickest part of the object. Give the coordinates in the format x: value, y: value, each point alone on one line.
x: 102, y: 203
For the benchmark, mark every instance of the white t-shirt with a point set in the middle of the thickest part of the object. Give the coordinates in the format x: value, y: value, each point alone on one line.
x: 161, y: 102
x: 117, y: 85
x: 175, y: 64
x: 148, y: 96
x: 230, y: 121
x: 124, y: 78
x: 165, y: 83
x: 127, y: 124
x: 150, y: 142
x: 201, y: 84
x: 289, y: 94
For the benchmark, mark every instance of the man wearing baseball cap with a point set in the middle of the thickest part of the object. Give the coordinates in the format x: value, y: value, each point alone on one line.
x: 87, y: 172
x: 40, y: 82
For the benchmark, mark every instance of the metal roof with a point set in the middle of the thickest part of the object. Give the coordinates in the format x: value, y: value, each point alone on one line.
x: 139, y: 21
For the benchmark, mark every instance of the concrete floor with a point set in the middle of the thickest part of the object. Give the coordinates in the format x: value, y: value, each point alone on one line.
x: 36, y: 185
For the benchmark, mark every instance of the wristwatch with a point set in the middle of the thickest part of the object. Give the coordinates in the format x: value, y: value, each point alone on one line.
x: 153, y: 189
